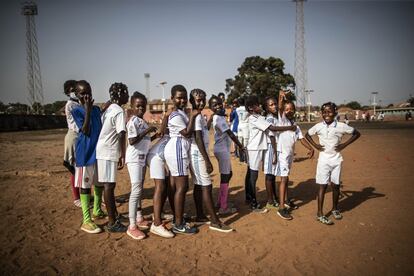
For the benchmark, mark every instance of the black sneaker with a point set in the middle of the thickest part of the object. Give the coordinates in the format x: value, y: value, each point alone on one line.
x: 257, y: 208
x: 289, y: 204
x: 284, y: 214
x: 184, y: 229
x: 117, y: 227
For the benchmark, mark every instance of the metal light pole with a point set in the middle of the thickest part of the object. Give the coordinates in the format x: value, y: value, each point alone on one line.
x: 374, y: 101
x: 163, y: 96
x: 308, y: 102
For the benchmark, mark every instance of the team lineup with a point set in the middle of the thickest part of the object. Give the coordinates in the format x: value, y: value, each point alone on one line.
x: 101, y: 141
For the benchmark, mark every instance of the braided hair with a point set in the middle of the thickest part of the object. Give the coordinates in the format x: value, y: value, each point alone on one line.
x: 332, y: 105
x: 116, y: 90
x: 196, y: 92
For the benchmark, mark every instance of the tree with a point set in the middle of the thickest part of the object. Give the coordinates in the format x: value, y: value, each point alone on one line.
x: 37, y: 108
x: 259, y: 76
x: 411, y: 101
x: 3, y: 107
x: 53, y: 108
x: 354, y: 105
x: 17, y: 108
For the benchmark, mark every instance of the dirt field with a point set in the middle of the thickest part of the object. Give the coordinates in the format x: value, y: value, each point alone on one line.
x: 40, y: 226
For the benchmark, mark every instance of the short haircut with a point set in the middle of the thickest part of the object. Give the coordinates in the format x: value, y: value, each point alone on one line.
x: 194, y: 93
x: 116, y: 89
x: 332, y: 105
x: 138, y: 95
x: 251, y: 101
x: 221, y: 94
x: 241, y: 100
x: 176, y: 88
x: 82, y: 86
x: 68, y: 85
x: 213, y: 97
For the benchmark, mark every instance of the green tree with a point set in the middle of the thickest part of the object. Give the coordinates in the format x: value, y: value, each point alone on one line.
x: 354, y: 105
x: 53, y: 108
x: 259, y: 76
x: 17, y: 108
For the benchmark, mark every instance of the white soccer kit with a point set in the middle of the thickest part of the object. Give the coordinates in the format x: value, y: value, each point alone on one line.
x: 257, y: 140
x: 198, y: 163
x: 286, y: 146
x: 268, y: 166
x: 72, y: 134
x: 156, y: 159
x: 86, y: 176
x: 222, y: 144
x: 330, y: 160
x: 177, y: 149
x: 108, y: 148
x: 136, y: 154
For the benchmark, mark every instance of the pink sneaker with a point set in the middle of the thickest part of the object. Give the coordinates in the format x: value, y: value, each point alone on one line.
x: 143, y: 224
x: 135, y: 233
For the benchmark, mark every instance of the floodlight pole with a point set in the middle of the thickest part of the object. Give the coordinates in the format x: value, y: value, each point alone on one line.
x: 374, y: 101
x: 308, y: 102
x: 163, y: 83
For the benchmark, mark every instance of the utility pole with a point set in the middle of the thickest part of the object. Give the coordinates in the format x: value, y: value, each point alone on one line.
x: 34, y: 78
x: 163, y: 83
x: 374, y: 100
x: 147, y: 85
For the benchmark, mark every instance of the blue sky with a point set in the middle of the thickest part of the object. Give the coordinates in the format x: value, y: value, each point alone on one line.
x: 353, y: 48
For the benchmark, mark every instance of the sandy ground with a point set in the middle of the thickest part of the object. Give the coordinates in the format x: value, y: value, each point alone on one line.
x: 40, y: 227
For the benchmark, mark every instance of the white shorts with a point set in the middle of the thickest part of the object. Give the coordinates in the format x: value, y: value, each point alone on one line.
x: 199, y: 170
x: 176, y: 156
x: 224, y: 162
x: 255, y: 157
x: 156, y: 166
x: 268, y: 166
x: 107, y: 171
x: 284, y: 163
x: 137, y: 171
x: 86, y: 176
x: 69, y: 147
x: 325, y: 171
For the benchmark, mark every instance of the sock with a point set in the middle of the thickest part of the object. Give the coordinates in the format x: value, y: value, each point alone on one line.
x: 139, y: 216
x: 97, y: 200
x: 85, y: 207
x: 224, y: 190
x: 75, y: 191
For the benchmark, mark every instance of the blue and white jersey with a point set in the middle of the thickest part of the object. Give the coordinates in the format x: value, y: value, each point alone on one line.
x: 135, y: 127
x: 178, y: 145
x: 200, y: 125
x: 177, y: 121
x: 159, y: 147
x: 222, y: 141
x: 243, y: 128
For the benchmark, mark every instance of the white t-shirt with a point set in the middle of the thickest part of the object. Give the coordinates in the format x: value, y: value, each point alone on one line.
x: 221, y: 138
x: 257, y: 135
x: 273, y: 121
x: 159, y: 146
x: 135, y: 127
x: 113, y: 123
x: 200, y: 124
x: 70, y: 105
x: 329, y: 137
x: 286, y: 139
x: 243, y: 128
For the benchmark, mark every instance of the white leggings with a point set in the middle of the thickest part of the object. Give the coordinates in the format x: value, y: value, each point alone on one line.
x: 137, y: 174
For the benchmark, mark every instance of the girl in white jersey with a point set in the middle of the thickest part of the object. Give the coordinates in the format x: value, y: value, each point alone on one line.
x: 71, y: 137
x: 258, y: 127
x: 222, y: 136
x: 139, y: 142
x: 201, y: 167
x: 285, y: 150
x: 328, y: 170
x: 177, y: 155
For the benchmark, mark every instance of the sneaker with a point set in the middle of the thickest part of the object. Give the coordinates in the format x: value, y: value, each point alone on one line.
x: 228, y: 211
x: 336, y: 214
x: 221, y: 227
x: 100, y: 215
x: 290, y: 205
x: 161, y: 231
x: 284, y: 214
x: 135, y: 233
x: 272, y: 206
x: 90, y: 227
x: 77, y: 203
x: 185, y: 229
x: 257, y: 208
x: 143, y: 224
x: 117, y: 227
x: 324, y: 220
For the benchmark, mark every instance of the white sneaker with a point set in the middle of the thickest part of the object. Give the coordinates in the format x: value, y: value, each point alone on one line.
x: 161, y: 231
